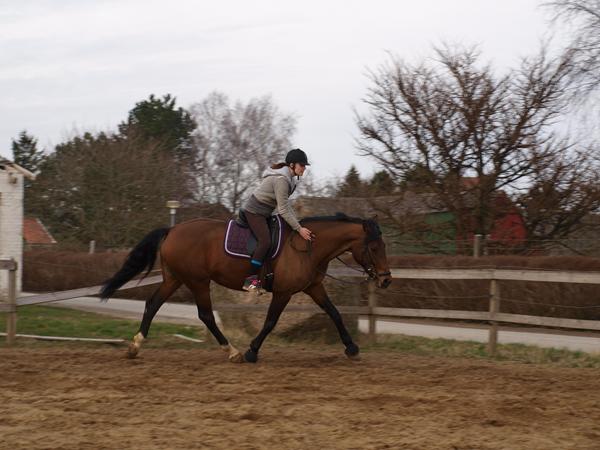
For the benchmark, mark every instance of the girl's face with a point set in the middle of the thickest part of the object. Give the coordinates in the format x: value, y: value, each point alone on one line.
x: 298, y: 169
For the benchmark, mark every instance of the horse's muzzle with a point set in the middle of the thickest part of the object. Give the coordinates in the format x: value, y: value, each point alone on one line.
x: 384, y: 279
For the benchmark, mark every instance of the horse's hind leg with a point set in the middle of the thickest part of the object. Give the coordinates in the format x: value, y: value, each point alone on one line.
x: 153, y: 304
x: 320, y: 297
x: 201, y: 291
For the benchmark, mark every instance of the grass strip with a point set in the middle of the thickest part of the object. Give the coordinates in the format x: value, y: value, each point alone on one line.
x: 54, y: 321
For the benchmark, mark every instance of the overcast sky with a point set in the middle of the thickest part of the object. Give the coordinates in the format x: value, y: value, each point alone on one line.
x: 82, y: 64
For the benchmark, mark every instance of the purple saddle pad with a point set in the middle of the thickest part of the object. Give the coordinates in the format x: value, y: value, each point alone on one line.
x: 239, y: 241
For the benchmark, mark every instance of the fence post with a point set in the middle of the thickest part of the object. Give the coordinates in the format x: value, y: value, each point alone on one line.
x: 494, y: 308
x: 372, y: 319
x: 92, y: 249
x: 477, y: 239
x: 11, y: 317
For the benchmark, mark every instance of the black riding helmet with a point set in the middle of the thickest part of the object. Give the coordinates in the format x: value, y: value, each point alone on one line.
x: 296, y: 156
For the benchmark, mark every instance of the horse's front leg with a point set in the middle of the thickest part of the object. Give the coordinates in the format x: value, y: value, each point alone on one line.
x: 319, y: 295
x: 278, y: 304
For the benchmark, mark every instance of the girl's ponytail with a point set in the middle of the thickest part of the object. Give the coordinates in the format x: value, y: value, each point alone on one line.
x: 278, y: 165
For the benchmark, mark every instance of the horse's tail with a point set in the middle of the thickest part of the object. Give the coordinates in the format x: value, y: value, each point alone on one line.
x: 141, y: 257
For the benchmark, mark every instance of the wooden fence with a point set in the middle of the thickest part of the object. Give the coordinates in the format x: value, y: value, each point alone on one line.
x: 372, y: 311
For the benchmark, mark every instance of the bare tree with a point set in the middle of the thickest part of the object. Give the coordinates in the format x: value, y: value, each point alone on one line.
x: 582, y: 17
x: 470, y: 135
x: 560, y: 196
x: 311, y: 186
x: 236, y: 143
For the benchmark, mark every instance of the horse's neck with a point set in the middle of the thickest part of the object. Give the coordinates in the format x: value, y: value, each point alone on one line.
x: 336, y: 238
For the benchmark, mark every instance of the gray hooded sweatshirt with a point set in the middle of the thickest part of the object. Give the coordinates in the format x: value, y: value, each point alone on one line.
x: 273, y: 194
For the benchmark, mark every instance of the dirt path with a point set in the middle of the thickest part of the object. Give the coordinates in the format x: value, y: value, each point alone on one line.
x: 80, y: 398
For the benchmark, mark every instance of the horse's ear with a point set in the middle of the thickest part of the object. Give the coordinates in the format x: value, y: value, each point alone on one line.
x: 372, y: 219
x: 372, y: 227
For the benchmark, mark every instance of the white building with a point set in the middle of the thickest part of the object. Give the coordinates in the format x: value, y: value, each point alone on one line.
x: 11, y: 218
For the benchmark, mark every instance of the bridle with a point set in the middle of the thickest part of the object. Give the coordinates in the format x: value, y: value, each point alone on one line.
x: 369, y: 267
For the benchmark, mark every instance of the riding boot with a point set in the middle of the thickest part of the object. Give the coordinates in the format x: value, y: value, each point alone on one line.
x: 252, y: 283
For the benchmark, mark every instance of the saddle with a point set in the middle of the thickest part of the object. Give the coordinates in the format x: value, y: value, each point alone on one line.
x: 241, y: 242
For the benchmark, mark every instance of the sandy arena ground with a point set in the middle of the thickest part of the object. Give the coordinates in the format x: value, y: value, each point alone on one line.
x: 73, y: 397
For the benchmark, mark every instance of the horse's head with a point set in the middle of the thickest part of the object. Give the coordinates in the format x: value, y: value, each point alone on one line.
x: 370, y: 254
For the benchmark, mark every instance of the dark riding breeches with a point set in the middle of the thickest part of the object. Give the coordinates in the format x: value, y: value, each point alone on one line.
x: 258, y: 225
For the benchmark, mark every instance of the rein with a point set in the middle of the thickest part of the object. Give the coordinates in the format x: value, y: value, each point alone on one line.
x: 309, y: 251
x: 349, y: 266
x: 366, y: 280
x: 369, y: 272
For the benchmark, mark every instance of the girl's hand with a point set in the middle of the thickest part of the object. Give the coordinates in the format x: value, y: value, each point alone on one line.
x: 306, y: 234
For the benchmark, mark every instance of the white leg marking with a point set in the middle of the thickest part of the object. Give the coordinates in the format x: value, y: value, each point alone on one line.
x: 234, y: 353
x: 135, y: 345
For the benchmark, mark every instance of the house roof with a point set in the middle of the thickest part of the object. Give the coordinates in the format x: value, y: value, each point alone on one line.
x: 401, y: 204
x: 34, y: 232
x: 7, y: 164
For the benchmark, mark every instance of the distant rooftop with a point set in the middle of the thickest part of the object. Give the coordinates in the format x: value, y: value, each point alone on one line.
x: 35, y: 233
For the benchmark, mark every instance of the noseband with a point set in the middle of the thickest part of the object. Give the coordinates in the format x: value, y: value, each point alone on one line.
x: 369, y: 267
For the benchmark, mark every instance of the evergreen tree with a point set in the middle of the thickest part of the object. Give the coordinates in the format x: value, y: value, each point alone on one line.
x: 159, y: 120
x: 26, y: 154
x: 381, y: 184
x: 416, y: 179
x: 352, y: 186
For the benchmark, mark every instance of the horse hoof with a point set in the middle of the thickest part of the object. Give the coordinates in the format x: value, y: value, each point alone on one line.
x: 132, y: 351
x: 352, y: 352
x: 251, y: 356
x: 234, y: 355
x: 236, y: 358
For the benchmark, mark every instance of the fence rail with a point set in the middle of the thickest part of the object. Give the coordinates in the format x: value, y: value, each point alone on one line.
x: 479, y: 245
x: 83, y: 292
x: 499, y: 274
x: 372, y: 311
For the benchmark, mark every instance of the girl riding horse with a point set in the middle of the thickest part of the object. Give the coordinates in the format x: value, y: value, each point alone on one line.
x: 279, y: 182
x: 192, y: 253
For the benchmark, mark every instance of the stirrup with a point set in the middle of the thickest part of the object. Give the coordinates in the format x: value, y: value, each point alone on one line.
x: 252, y: 284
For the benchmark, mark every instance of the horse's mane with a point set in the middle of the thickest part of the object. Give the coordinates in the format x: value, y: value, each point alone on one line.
x: 338, y: 217
x: 370, y: 225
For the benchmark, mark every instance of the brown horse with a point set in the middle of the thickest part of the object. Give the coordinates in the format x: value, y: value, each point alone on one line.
x: 192, y: 254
